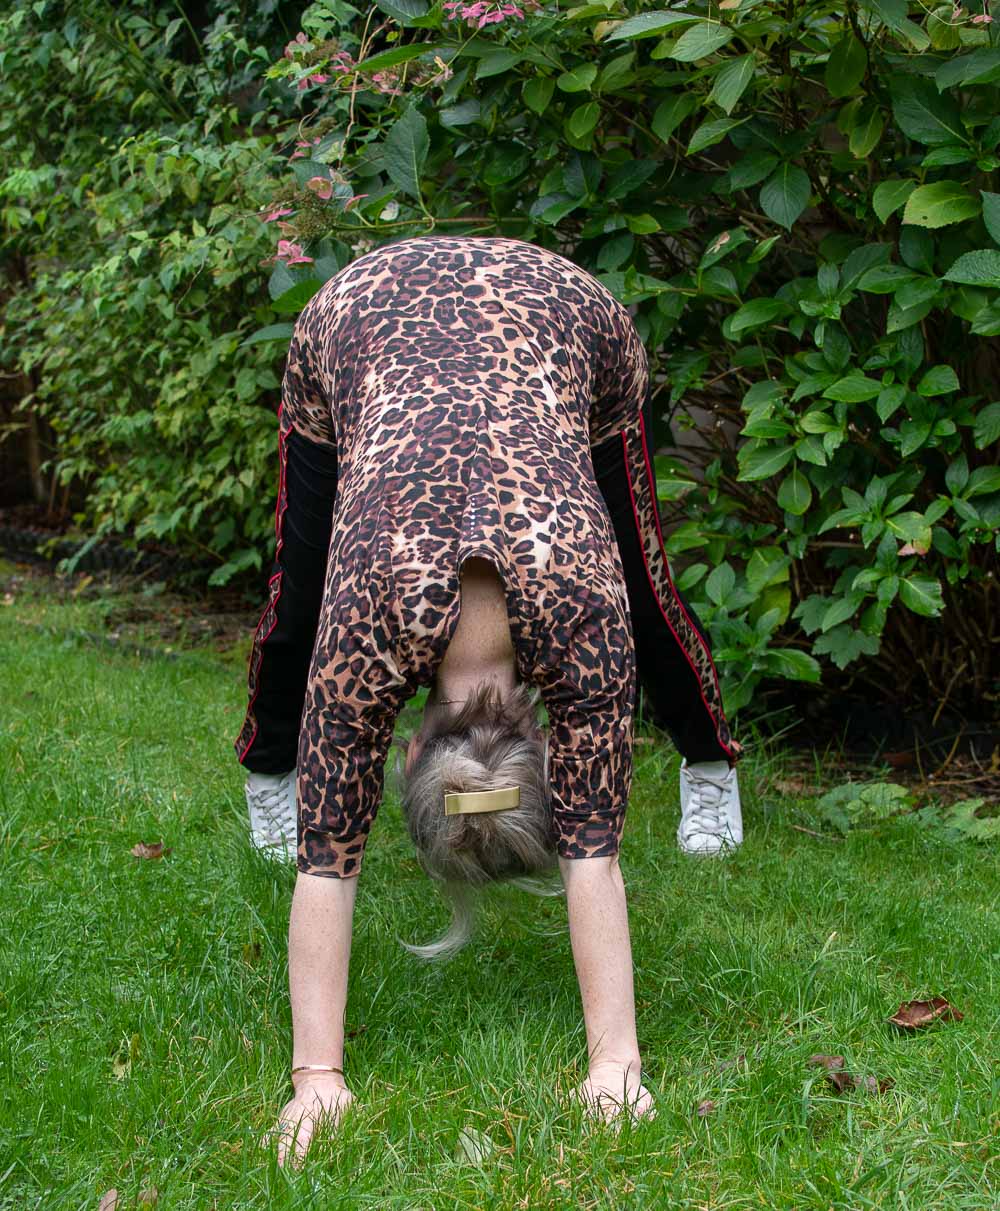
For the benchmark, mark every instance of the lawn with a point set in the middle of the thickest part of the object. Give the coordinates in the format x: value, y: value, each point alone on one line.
x: 144, y: 1019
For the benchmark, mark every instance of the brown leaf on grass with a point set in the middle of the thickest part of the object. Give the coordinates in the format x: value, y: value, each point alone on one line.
x: 913, y: 1015
x: 832, y: 1063
x: 143, y: 850
x: 149, y: 1196
x: 705, y: 1108
x: 833, y: 1066
x: 109, y: 1200
x: 355, y: 1031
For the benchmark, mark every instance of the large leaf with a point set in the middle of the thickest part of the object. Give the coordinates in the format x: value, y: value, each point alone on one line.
x: 712, y: 132
x: 980, y: 67
x: 890, y: 195
x: 978, y: 268
x: 403, y: 11
x: 991, y: 214
x: 785, y: 194
x: 795, y: 493
x: 921, y: 594
x: 645, y: 25
x: 940, y: 204
x: 923, y: 113
x: 273, y: 332
x: 762, y: 461
x: 846, y: 66
x: 731, y: 82
x: 671, y: 112
x: 755, y: 313
x: 406, y: 147
x: 700, y: 41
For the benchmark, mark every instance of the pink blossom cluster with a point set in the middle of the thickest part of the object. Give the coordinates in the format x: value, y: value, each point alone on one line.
x: 386, y: 82
x: 291, y: 254
x: 340, y: 62
x: 982, y: 18
x: 481, y: 13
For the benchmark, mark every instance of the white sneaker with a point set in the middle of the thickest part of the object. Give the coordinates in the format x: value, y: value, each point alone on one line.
x: 273, y: 814
x: 711, y: 820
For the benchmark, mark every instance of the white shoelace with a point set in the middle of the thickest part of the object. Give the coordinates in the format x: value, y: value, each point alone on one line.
x: 275, y: 810
x: 704, y: 811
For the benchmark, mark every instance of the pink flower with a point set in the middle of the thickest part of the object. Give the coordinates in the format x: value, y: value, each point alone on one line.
x: 307, y: 80
x: 277, y: 214
x: 482, y: 13
x: 982, y: 19
x: 299, y: 40
x: 303, y: 146
x: 357, y: 198
x: 321, y: 187
x: 291, y: 254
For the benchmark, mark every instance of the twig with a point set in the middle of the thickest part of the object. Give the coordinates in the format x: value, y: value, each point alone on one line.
x: 812, y: 833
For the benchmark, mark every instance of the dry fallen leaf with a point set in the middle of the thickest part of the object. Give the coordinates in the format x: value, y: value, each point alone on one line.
x: 473, y: 1146
x: 833, y: 1065
x: 705, y: 1108
x: 149, y: 1196
x: 142, y: 850
x: 912, y: 1015
x: 109, y: 1200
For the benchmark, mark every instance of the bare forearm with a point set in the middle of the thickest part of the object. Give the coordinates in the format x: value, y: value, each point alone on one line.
x: 319, y: 953
x: 602, y: 953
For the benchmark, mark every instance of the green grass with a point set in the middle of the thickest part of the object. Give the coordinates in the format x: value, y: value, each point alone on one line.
x: 145, y: 1028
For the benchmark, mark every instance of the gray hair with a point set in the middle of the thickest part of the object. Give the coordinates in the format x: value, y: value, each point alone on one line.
x: 493, y: 741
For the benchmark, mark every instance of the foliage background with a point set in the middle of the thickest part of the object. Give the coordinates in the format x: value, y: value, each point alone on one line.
x: 799, y: 200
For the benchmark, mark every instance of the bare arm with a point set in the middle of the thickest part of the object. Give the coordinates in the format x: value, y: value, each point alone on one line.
x: 602, y: 953
x: 319, y: 953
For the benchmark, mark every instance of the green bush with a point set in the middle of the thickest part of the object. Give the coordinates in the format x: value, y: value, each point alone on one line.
x: 136, y: 152
x: 798, y: 202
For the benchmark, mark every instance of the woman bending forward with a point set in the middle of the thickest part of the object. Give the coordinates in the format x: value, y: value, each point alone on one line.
x: 447, y: 393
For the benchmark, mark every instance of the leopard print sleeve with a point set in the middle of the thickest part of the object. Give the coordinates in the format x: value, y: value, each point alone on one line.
x: 620, y: 372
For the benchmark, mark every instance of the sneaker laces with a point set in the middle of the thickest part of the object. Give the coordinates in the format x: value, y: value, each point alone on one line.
x: 273, y: 806
x: 705, y: 806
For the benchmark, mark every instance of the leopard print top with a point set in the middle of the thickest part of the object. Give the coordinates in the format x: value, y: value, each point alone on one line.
x: 462, y: 381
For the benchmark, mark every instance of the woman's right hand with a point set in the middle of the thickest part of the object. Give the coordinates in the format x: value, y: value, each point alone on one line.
x: 319, y: 1099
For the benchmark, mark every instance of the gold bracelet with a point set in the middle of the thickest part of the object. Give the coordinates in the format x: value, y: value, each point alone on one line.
x: 317, y: 1068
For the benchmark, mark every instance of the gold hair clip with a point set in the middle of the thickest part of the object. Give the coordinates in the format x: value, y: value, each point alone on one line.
x: 482, y: 801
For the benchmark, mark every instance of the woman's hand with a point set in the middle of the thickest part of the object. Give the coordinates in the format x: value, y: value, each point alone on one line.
x: 320, y: 1099
x: 612, y: 1089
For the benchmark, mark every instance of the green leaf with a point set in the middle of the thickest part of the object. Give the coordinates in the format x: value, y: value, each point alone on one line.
x: 712, y: 132
x: 461, y: 114
x: 785, y: 194
x: 885, y: 279
x: 793, y: 664
x: 537, y: 93
x: 939, y: 380
x: 978, y: 268
x: 755, y: 313
x: 866, y: 133
x: 983, y: 482
x: 731, y: 82
x: 889, y: 401
x: 499, y: 61
x: 844, y: 644
x: 846, y: 66
x: 700, y: 41
x: 292, y: 301
x: 671, y: 112
x: 853, y: 388
x: 795, y: 493
x: 762, y: 461
x: 939, y: 204
x: 395, y: 56
x: 752, y: 169
x: 273, y: 332
x: 889, y: 196
x: 991, y: 213
x: 647, y: 24
x: 987, y: 429
x: 767, y: 566
x: 406, y: 146
x: 403, y: 11
x: 922, y: 113
x: 921, y: 594
x: 720, y: 584
x: 981, y: 66
x: 583, y: 119
x: 578, y: 79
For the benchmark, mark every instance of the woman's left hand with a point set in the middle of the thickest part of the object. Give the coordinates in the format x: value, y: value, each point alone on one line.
x: 612, y: 1089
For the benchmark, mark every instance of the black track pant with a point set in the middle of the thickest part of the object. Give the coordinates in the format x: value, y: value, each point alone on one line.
x: 670, y: 688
